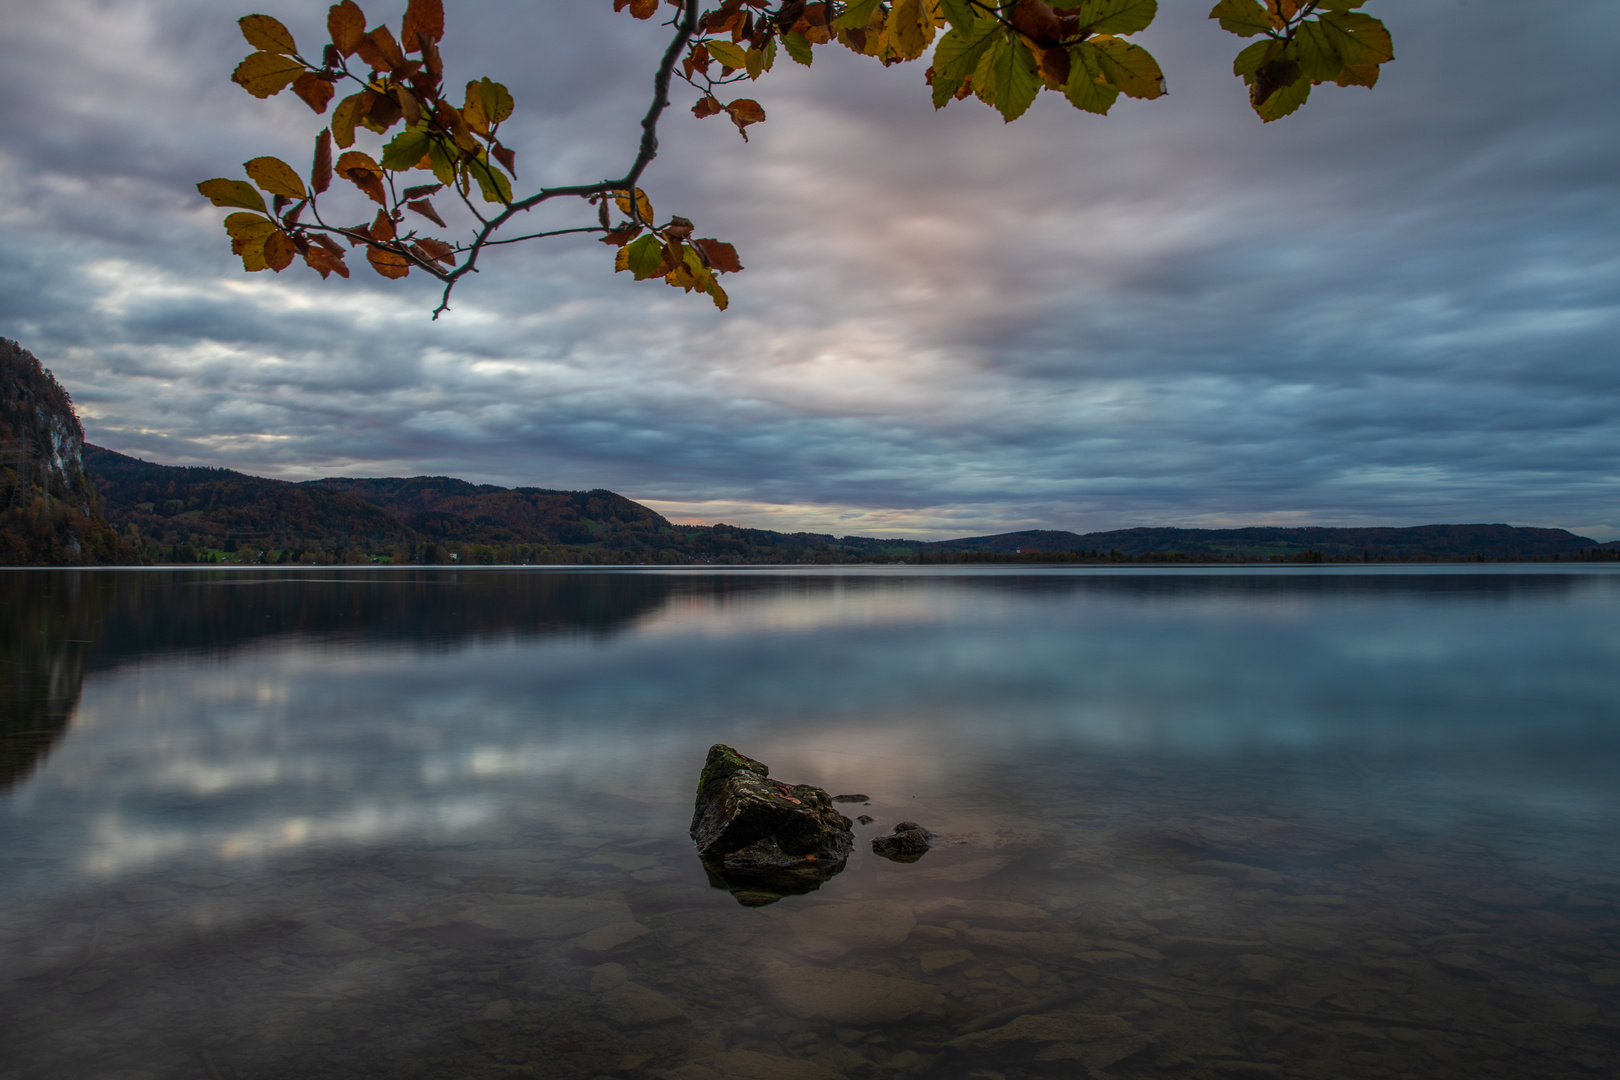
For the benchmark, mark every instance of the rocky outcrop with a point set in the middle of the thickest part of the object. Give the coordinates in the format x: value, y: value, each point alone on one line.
x: 763, y: 839
x: 50, y: 513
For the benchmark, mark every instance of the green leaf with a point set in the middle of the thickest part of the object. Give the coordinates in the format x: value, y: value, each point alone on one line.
x: 1118, y: 16
x: 955, y: 58
x: 961, y: 15
x: 859, y: 13
x: 406, y: 149
x: 770, y: 54
x: 222, y: 192
x: 645, y: 256
x: 1250, y: 59
x: 497, y: 102
x: 1245, y: 18
x: 728, y: 54
x: 1017, y: 80
x: 1315, y: 53
x: 443, y: 162
x: 1128, y: 67
x: 1285, y: 100
x: 494, y: 184
x: 1359, y: 38
x: 798, y: 47
x: 1087, y: 88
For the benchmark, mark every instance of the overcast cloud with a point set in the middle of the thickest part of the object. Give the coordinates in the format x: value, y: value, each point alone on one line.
x: 1396, y: 307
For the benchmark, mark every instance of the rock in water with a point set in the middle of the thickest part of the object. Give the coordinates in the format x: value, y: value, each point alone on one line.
x: 763, y: 839
x: 908, y: 843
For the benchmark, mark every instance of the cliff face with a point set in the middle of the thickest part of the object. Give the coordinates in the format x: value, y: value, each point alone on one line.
x: 50, y: 512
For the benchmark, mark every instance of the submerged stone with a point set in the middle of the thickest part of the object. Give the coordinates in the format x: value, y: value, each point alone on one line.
x: 762, y: 839
x: 845, y: 996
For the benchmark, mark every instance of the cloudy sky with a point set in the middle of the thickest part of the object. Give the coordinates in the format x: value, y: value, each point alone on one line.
x: 1398, y: 306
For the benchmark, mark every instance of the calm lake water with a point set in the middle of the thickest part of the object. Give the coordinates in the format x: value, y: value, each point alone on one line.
x: 1262, y: 822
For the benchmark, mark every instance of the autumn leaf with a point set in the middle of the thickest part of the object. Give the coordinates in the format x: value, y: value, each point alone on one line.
x: 264, y: 74
x: 1130, y: 68
x: 425, y: 208
x: 364, y: 173
x: 248, y: 226
x: 223, y: 192
x: 435, y: 251
x: 315, y: 91
x: 320, y: 173
x: 643, y: 211
x: 708, y: 106
x: 252, y: 252
x: 1117, y: 16
x: 390, y: 264
x: 344, y: 118
x: 275, y: 176
x: 422, y: 17
x: 728, y: 54
x: 346, y: 24
x: 279, y: 251
x: 621, y: 237
x: 1016, y: 79
x: 319, y: 258
x: 857, y: 15
x: 745, y: 111
x: 496, y: 99
x: 266, y: 34
x: 719, y: 254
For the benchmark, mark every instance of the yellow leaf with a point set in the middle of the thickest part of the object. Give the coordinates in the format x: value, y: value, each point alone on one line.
x: 223, y: 192
x: 344, y: 118
x: 263, y: 32
x: 249, y: 226
x: 275, y: 176
x: 644, y: 210
x: 279, y: 251
x: 732, y: 56
x: 263, y: 74
x: 911, y: 28
x: 252, y: 252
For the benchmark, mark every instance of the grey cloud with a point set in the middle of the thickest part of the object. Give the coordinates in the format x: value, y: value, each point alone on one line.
x: 1397, y: 306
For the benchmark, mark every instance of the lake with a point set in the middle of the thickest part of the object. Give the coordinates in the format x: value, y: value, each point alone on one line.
x: 1189, y: 823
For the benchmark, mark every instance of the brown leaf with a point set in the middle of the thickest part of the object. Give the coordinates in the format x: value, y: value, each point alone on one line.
x: 422, y: 17
x: 364, y: 173
x: 320, y: 174
x: 266, y: 33
x: 329, y: 244
x: 383, y: 227
x: 1036, y: 20
x: 719, y: 254
x: 425, y: 208
x: 709, y: 106
x: 506, y: 157
x: 745, y: 111
x: 390, y: 264
x: 379, y: 111
x: 1054, y: 66
x: 316, y: 91
x: 382, y: 39
x: 621, y: 237
x: 347, y: 25
x: 275, y: 176
x: 408, y: 107
x: 679, y: 228
x: 435, y: 251
x: 279, y: 251
x: 421, y: 190
x: 326, y: 261
x: 641, y: 9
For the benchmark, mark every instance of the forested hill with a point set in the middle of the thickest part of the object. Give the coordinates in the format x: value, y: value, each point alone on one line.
x: 187, y: 514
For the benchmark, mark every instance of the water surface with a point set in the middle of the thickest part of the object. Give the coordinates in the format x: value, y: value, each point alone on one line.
x: 1191, y: 823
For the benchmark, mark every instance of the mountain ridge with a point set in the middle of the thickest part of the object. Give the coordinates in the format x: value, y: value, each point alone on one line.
x: 179, y: 513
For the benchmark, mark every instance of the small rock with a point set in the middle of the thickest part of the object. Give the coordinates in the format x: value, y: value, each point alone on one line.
x: 944, y: 960
x: 1028, y: 974
x: 828, y: 931
x: 852, y: 798
x: 146, y: 894
x: 844, y: 996
x: 866, y: 819
x: 607, y: 938
x: 634, y: 1005
x: 324, y: 939
x: 908, y: 843
x: 1263, y: 970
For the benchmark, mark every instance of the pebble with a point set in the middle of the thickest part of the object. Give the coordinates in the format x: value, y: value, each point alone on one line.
x: 844, y: 996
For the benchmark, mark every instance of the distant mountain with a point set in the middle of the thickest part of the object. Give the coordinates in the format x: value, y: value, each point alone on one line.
x: 50, y: 513
x: 1419, y: 542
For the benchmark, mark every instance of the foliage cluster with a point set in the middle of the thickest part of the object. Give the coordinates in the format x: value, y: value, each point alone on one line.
x: 1002, y: 52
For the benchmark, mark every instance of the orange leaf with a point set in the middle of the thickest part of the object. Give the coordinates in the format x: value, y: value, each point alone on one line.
x: 364, y: 173
x: 325, y: 261
x: 709, y: 106
x: 745, y: 111
x: 279, y: 251
x: 421, y: 17
x: 390, y: 264
x: 320, y: 173
x: 330, y: 245
x: 383, y: 227
x: 435, y: 251
x: 266, y: 33
x: 315, y: 91
x: 621, y: 237
x: 719, y: 254
x: 347, y: 25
